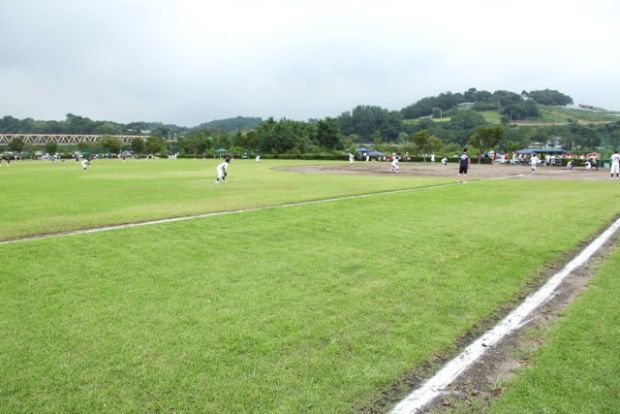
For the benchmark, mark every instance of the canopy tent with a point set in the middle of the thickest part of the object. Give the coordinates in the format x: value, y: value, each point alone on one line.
x: 369, y: 152
x: 221, y: 150
x: 530, y: 151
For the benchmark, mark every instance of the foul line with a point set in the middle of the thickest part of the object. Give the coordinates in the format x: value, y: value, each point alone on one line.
x: 435, y: 386
x: 219, y: 213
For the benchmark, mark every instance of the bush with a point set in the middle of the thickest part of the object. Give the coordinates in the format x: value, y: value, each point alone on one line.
x: 323, y: 156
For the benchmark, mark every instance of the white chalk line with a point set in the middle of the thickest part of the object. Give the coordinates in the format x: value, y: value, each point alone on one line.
x: 436, y: 385
x: 224, y: 213
x: 220, y: 213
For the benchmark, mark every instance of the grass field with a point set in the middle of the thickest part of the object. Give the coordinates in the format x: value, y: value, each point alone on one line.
x: 313, y: 308
x: 44, y: 197
x: 577, y: 370
x: 492, y: 117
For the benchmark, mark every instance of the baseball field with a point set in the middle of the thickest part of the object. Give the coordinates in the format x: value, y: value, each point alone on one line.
x: 294, y: 286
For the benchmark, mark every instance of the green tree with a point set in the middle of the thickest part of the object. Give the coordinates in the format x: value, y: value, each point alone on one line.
x: 283, y: 136
x: 426, y: 143
x: 486, y: 137
x: 365, y: 120
x: 221, y: 140
x: 196, y: 143
x: 137, y: 145
x: 161, y: 132
x: 154, y: 145
x: 9, y: 125
x: 83, y: 146
x: 75, y: 124
x: 51, y: 147
x: 239, y: 123
x: 466, y: 119
x: 111, y: 145
x: 328, y: 134
x: 107, y: 128
x: 16, y: 144
x: 521, y: 110
x: 505, y: 98
x: 550, y: 97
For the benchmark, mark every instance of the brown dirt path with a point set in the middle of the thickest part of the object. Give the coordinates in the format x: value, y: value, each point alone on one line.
x: 476, y: 171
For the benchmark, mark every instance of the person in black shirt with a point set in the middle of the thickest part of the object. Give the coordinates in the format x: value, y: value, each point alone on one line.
x: 463, y: 165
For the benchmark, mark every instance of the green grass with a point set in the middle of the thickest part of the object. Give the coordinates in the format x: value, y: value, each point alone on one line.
x: 40, y: 197
x: 548, y: 113
x: 307, y: 309
x: 492, y: 117
x: 562, y: 114
x: 576, y: 371
x: 417, y: 120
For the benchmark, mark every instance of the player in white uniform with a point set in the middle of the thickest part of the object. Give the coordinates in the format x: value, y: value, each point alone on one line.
x: 351, y: 158
x: 221, y: 171
x: 433, y: 158
x: 258, y: 159
x: 395, y: 166
x: 85, y: 163
x: 533, y: 162
x: 615, y: 165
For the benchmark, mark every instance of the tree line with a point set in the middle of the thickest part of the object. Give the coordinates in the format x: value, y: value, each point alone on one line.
x: 510, y: 104
x: 75, y: 124
x: 415, y: 128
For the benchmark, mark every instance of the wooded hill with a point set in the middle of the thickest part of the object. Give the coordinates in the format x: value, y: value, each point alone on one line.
x: 543, y: 116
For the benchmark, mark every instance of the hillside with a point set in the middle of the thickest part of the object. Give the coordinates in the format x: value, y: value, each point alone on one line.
x: 549, y: 115
x: 240, y: 123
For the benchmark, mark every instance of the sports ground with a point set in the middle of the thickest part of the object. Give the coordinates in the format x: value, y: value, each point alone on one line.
x: 344, y: 301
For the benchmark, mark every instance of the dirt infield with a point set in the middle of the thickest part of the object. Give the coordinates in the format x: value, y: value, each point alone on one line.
x: 481, y: 172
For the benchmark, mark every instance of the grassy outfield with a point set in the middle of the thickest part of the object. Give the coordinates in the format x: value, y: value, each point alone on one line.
x: 40, y: 197
x: 308, y: 309
x: 576, y: 371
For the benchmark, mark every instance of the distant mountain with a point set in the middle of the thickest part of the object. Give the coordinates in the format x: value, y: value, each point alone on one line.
x: 240, y: 123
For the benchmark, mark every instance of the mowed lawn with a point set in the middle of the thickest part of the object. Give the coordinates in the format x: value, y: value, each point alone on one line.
x: 41, y: 197
x: 307, y: 309
x: 577, y: 370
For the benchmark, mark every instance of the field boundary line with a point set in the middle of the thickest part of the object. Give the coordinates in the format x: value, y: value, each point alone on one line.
x: 436, y: 386
x: 219, y: 213
x: 239, y: 211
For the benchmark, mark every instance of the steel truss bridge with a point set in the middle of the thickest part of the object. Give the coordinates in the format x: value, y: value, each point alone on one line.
x: 64, y: 139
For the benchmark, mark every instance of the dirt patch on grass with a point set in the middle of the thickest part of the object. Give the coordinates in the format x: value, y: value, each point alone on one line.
x: 476, y: 171
x: 485, y: 380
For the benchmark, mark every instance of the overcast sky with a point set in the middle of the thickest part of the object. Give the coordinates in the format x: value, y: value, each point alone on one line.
x: 190, y: 61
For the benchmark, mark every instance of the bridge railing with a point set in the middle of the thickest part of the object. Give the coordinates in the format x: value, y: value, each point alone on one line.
x: 64, y: 139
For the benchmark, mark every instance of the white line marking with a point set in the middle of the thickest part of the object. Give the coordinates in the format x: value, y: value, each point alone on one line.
x: 435, y: 386
x: 221, y: 213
